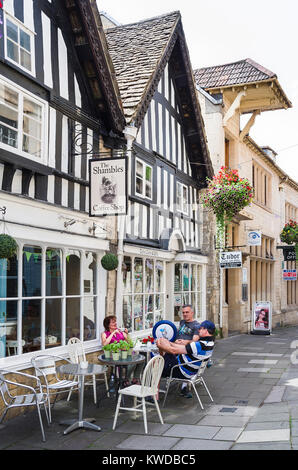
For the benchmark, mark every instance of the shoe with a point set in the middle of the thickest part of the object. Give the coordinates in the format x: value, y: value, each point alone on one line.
x: 150, y: 399
x: 185, y: 393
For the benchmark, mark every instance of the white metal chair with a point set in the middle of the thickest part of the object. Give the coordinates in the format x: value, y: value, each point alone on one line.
x: 45, y: 369
x: 13, y: 344
x: 13, y: 399
x: 148, y: 388
x: 194, y: 380
x: 77, y: 354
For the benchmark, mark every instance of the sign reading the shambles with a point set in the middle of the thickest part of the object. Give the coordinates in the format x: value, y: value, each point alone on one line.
x: 230, y: 259
x: 108, y: 189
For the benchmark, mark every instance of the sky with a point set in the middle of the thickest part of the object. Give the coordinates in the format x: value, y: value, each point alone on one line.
x: 224, y: 31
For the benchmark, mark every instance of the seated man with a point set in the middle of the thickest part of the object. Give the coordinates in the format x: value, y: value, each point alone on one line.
x: 179, y: 353
x: 188, y: 331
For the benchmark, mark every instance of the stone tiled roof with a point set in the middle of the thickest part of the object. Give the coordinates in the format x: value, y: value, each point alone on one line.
x: 243, y: 71
x: 136, y: 50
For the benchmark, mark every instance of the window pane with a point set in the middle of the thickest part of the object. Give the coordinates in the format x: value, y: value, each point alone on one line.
x: 127, y: 312
x: 89, y: 272
x: 9, y: 277
x: 148, y: 190
x: 12, y: 31
x: 149, y: 319
x: 8, y: 328
x: 25, y: 40
x: 178, y: 278
x: 185, y: 276
x: 159, y: 307
x: 149, y: 275
x: 25, y: 59
x: 72, y: 318
x: 32, y: 128
x: 8, y: 116
x: 32, y: 110
x: 8, y: 136
x: 12, y: 51
x: 73, y: 273
x: 89, y: 309
x: 53, y: 272
x: 194, y: 303
x: 138, y: 312
x: 53, y: 322
x: 148, y: 173
x: 139, y: 186
x: 139, y: 169
x: 31, y: 145
x: 193, y: 277
x: 8, y: 96
x: 159, y: 275
x: 126, y: 272
x: 138, y: 275
x: 31, y: 271
x: 31, y: 325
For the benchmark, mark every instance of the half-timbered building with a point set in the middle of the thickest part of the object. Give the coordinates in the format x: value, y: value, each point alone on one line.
x: 160, y: 240
x: 59, y: 106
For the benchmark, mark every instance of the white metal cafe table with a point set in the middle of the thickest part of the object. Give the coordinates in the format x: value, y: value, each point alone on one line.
x: 77, y: 369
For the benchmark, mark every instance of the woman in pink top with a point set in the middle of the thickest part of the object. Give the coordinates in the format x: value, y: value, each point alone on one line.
x: 112, y: 333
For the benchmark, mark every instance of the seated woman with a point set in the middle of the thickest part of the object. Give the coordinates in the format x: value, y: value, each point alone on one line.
x: 112, y: 332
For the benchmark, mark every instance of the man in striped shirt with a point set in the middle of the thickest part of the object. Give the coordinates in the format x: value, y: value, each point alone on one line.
x: 180, y: 353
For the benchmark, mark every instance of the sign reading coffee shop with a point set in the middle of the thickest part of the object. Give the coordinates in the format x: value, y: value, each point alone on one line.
x: 108, y: 188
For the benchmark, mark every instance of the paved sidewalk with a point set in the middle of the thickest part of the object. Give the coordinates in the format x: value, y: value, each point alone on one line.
x: 254, y: 383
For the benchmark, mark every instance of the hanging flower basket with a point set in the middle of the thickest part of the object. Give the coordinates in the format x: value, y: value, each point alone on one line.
x: 109, y: 261
x: 289, y: 235
x: 227, y: 194
x: 8, y: 246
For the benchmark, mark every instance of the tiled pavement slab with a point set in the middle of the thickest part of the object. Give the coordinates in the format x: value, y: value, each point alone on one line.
x: 199, y: 444
x: 196, y: 432
x: 265, y: 435
x: 148, y: 442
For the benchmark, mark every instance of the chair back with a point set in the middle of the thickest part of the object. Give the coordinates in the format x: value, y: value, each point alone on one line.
x: 44, y: 365
x: 4, y: 390
x: 152, y: 373
x: 76, y: 350
x: 202, y: 367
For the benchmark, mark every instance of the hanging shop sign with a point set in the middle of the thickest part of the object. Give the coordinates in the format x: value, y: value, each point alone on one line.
x: 108, y: 186
x: 254, y: 238
x: 289, y: 274
x: 289, y: 253
x: 230, y: 259
x: 261, y: 318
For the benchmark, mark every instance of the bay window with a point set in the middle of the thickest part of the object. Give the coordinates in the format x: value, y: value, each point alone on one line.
x: 47, y: 297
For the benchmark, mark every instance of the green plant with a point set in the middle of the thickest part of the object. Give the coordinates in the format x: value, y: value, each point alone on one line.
x: 107, y: 347
x: 226, y: 194
x: 131, y: 342
x: 124, y: 345
x: 8, y: 246
x: 109, y: 261
x: 115, y: 347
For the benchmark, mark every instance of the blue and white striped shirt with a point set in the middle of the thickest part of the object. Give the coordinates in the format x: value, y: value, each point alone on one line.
x: 203, y: 347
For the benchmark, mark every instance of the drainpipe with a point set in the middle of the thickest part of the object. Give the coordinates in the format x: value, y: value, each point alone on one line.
x: 130, y: 133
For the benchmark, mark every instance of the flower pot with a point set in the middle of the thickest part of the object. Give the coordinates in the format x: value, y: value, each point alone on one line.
x: 124, y: 354
x: 129, y: 352
x: 115, y: 356
x: 107, y: 354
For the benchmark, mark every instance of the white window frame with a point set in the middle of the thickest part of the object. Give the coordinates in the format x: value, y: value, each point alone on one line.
x: 197, y: 291
x: 22, y: 94
x: 154, y: 292
x: 180, y: 187
x: 44, y: 297
x: 144, y: 165
x: 30, y: 33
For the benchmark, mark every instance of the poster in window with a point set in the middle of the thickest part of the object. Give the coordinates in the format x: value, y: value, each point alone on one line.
x: 261, y: 317
x: 108, y: 188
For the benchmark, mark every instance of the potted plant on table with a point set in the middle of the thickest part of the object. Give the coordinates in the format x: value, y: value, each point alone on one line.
x: 131, y: 345
x: 115, y: 348
x: 107, y: 350
x: 124, y: 347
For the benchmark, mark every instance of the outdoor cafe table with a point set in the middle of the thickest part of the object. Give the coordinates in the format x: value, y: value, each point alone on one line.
x: 76, y: 369
x: 133, y: 359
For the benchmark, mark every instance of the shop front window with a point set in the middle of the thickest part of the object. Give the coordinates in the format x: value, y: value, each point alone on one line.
x: 53, y: 305
x: 187, y: 288
x: 144, y: 291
